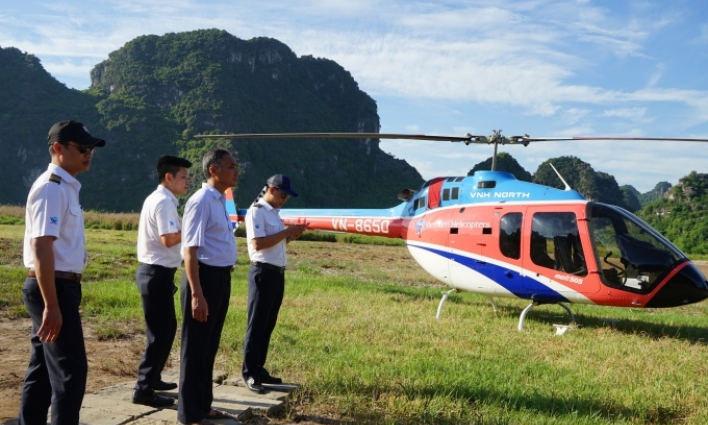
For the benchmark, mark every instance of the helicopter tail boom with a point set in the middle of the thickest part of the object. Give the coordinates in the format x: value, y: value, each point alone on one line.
x: 386, y: 223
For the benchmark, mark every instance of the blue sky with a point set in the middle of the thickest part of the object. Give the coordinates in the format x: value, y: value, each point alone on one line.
x: 541, y: 67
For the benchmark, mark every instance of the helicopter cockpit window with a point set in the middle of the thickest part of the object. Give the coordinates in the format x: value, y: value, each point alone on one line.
x: 555, y: 243
x: 632, y: 255
x: 459, y: 179
x: 510, y: 235
x: 420, y: 202
x: 450, y: 179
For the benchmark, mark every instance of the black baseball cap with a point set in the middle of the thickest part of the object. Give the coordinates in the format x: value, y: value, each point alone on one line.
x: 72, y: 131
x: 281, y: 182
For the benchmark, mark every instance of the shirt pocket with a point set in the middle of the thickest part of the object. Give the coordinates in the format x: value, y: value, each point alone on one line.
x: 76, y: 220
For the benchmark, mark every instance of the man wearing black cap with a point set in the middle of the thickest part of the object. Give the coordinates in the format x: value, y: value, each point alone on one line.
x: 266, y: 237
x: 55, y: 254
x: 159, y: 242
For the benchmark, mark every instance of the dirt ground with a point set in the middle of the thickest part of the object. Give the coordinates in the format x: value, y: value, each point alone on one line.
x: 110, y: 362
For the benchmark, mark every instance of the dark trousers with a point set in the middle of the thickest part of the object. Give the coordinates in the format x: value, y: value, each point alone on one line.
x: 157, y: 287
x: 200, y: 342
x: 265, y: 295
x: 56, y: 374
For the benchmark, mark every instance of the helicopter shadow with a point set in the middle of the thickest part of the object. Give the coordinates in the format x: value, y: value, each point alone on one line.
x: 689, y: 333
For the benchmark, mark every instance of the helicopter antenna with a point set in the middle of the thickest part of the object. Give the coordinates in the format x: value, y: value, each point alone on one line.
x: 567, y: 186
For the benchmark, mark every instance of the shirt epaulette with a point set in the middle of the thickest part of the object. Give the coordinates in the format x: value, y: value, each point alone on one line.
x: 54, y: 178
x: 256, y: 205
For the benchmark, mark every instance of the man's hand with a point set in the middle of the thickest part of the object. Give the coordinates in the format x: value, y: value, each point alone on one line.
x: 200, y: 309
x: 296, y: 230
x: 43, y: 252
x: 51, y: 325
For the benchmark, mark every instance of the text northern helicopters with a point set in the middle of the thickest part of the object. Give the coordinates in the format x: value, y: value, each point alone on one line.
x: 492, y: 234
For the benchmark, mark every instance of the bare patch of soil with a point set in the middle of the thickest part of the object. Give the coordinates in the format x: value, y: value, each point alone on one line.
x: 110, y: 362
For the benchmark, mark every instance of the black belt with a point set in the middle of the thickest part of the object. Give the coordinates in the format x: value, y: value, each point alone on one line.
x: 172, y: 269
x: 268, y: 266
x: 222, y: 268
x: 74, y: 277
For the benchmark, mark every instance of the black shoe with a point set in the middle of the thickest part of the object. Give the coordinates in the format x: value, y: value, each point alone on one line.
x: 254, y: 385
x: 152, y: 399
x: 266, y: 378
x: 163, y: 386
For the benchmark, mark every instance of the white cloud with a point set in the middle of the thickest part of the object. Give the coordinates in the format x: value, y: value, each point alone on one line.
x: 631, y: 113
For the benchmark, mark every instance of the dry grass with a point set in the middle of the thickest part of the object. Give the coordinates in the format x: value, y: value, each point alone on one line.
x: 11, y: 214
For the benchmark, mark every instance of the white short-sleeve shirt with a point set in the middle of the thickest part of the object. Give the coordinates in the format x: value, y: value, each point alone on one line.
x: 157, y: 218
x: 207, y: 225
x: 264, y: 220
x: 53, y: 209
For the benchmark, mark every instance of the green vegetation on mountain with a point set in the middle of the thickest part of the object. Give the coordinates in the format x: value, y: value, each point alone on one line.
x: 631, y: 197
x: 32, y: 100
x: 505, y: 162
x: 655, y: 194
x: 682, y: 216
x: 152, y: 95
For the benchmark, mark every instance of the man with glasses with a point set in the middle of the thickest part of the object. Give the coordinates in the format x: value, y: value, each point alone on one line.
x: 55, y: 254
x: 266, y: 237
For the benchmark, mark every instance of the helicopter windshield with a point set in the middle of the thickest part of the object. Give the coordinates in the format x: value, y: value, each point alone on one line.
x: 632, y: 255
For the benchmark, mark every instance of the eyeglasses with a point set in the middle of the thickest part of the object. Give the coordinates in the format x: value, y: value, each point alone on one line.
x: 283, y: 195
x: 82, y: 148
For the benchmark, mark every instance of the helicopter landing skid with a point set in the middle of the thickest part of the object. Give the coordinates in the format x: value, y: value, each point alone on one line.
x: 442, y: 301
x: 534, y: 304
x: 446, y: 294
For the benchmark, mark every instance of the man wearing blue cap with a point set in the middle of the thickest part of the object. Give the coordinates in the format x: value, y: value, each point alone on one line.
x: 266, y: 237
x: 55, y: 256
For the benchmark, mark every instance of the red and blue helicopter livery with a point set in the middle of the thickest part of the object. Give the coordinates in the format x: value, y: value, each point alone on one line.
x: 492, y: 234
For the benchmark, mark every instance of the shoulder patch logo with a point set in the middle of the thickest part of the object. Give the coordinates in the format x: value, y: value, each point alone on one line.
x: 258, y: 226
x: 54, y: 220
x: 172, y: 223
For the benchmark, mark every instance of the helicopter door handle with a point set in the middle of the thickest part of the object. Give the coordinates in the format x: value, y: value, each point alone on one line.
x: 481, y: 244
x: 508, y: 274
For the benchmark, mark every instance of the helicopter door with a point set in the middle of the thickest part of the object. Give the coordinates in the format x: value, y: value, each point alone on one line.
x: 507, y: 269
x: 556, y: 260
x: 470, y: 232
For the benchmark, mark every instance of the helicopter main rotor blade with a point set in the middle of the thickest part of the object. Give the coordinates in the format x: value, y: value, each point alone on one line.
x: 660, y: 139
x: 465, y: 139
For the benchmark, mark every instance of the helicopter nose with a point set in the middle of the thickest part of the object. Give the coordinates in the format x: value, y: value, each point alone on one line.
x: 687, y: 286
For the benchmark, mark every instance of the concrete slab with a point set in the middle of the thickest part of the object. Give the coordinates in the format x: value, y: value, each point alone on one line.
x: 276, y: 392
x: 113, y: 405
x: 226, y: 395
x: 94, y: 416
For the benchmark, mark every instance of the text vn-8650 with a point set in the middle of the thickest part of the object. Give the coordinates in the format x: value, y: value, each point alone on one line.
x: 367, y: 225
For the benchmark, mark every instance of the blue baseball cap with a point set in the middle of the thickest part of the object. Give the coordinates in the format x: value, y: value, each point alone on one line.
x: 282, y: 182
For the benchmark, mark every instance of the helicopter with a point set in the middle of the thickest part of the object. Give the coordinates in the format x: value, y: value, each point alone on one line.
x: 494, y: 235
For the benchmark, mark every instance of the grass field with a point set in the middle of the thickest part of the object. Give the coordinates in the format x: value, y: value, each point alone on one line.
x: 358, y: 331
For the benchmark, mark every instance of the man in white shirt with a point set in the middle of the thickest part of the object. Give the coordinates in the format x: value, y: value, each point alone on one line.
x: 159, y: 237
x: 209, y: 249
x: 266, y: 237
x: 55, y: 256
